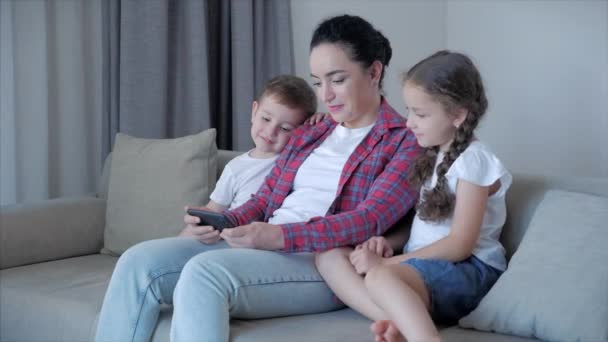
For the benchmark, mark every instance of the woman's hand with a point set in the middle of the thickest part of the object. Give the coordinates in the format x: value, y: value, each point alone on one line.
x: 378, y: 245
x: 204, y: 234
x: 315, y: 118
x: 364, y: 260
x: 258, y: 235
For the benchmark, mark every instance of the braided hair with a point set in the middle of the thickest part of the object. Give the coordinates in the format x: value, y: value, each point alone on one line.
x: 453, y: 80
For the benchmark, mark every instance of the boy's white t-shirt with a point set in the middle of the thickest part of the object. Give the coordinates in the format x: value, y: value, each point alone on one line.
x: 241, y: 178
x: 477, y: 165
x: 316, y: 182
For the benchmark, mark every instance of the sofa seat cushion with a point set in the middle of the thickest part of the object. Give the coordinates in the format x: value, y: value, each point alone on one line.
x: 457, y: 334
x: 60, y: 301
x: 54, y: 301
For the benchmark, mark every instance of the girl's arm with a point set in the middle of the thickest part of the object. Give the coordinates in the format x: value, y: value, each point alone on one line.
x: 470, y: 206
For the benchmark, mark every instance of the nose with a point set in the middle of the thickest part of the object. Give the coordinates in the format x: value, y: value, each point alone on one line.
x: 410, y: 122
x: 271, y: 130
x: 326, y: 93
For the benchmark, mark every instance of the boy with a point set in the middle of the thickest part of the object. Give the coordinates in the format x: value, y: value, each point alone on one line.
x: 284, y: 104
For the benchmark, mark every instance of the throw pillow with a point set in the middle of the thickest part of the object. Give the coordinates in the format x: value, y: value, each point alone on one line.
x: 151, y: 180
x: 556, y: 285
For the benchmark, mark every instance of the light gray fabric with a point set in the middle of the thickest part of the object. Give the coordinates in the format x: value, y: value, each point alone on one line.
x: 50, y: 99
x: 60, y: 301
x: 27, y: 312
x: 223, y: 157
x: 49, y: 230
x: 261, y: 48
x: 151, y: 180
x: 197, y: 64
x: 527, y: 191
x: 564, y: 245
x: 456, y: 334
x: 54, y: 301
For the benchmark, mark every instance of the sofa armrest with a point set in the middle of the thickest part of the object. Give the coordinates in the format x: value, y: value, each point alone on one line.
x: 50, y: 230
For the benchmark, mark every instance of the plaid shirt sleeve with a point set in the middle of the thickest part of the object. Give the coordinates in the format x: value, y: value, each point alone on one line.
x: 255, y: 208
x: 389, y: 198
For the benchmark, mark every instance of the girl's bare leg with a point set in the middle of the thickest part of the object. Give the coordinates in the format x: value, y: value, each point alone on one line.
x: 402, y: 294
x: 340, y: 275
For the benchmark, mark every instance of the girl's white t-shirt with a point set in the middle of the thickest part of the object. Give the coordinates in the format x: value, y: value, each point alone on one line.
x: 477, y: 165
x: 316, y: 182
x: 241, y: 178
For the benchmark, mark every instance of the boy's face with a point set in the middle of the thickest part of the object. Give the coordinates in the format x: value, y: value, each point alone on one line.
x: 272, y: 124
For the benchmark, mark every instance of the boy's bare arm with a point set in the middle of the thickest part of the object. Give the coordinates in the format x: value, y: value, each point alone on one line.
x: 215, y: 207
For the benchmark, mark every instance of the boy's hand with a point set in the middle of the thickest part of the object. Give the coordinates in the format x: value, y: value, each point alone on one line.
x: 258, y: 235
x: 364, y: 260
x: 204, y: 234
x: 315, y: 118
x: 378, y: 245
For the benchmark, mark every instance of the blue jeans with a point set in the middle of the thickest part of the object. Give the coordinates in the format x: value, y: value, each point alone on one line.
x: 455, y: 289
x: 207, y: 285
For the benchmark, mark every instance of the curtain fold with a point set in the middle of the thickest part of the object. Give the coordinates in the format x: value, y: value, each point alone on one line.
x: 74, y: 73
x: 178, y: 67
x: 51, y: 83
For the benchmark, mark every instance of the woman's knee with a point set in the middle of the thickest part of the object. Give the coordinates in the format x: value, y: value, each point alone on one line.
x: 207, y: 271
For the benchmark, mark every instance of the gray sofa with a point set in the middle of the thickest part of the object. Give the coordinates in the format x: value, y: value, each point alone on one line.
x: 53, y: 278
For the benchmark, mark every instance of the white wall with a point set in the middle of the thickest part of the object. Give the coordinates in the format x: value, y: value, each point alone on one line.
x: 544, y: 63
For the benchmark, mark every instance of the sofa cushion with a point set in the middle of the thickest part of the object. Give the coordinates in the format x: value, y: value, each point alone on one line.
x: 54, y: 301
x: 555, y: 285
x: 151, y: 180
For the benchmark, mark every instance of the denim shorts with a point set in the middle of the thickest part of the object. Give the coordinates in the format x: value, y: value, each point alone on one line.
x: 455, y: 289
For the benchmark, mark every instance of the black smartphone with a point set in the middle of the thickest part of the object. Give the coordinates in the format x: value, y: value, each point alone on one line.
x: 210, y: 218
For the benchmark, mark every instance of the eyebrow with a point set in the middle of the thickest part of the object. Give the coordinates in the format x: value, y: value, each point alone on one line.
x: 329, y: 74
x: 266, y: 112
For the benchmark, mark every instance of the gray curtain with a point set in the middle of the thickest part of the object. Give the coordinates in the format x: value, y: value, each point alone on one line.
x: 174, y: 68
x: 50, y: 98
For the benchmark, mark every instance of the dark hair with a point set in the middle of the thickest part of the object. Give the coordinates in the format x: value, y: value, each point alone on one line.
x: 291, y: 91
x: 359, y: 39
x: 453, y: 80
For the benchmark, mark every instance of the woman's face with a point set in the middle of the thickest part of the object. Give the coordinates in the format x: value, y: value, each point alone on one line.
x: 349, y: 91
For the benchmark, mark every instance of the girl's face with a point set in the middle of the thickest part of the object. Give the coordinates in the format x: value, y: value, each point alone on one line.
x: 428, y: 119
x: 349, y: 91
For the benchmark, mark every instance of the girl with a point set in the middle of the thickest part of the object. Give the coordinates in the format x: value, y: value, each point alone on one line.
x: 453, y: 255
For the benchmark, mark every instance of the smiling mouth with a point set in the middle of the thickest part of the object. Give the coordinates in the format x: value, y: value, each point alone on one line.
x: 334, y: 108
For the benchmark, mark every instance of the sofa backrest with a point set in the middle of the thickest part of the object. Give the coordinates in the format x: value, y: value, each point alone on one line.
x: 522, y: 199
x: 223, y: 157
x: 526, y: 193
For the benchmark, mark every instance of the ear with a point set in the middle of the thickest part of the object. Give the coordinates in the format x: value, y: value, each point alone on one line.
x: 254, y: 109
x: 375, y: 71
x: 461, y: 115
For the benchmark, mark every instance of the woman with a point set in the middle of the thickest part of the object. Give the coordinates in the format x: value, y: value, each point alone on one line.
x: 335, y: 184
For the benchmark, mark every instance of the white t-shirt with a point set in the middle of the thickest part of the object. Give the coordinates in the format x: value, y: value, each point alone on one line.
x: 241, y: 178
x: 316, y: 182
x: 477, y: 165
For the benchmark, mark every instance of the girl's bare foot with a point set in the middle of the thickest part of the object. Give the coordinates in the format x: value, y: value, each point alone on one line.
x: 386, y: 331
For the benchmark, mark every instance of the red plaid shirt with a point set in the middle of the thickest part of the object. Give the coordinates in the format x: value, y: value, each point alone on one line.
x: 373, y: 193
